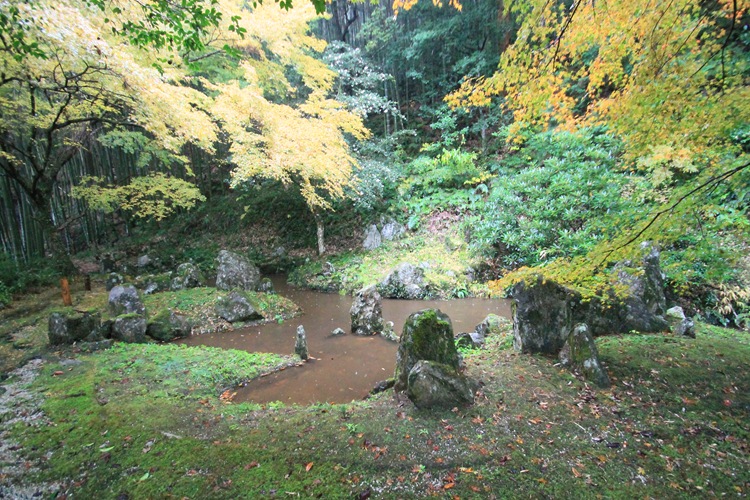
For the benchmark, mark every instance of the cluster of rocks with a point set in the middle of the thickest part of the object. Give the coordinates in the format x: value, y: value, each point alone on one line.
x: 128, y: 322
x: 491, y: 325
x: 552, y: 319
x: 427, y: 363
x: 405, y: 281
x: 389, y: 230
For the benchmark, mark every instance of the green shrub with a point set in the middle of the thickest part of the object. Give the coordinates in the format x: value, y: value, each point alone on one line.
x: 550, y: 199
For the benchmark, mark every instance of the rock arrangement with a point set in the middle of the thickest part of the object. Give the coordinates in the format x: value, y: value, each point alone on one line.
x: 427, y: 363
x: 367, y: 312
x: 552, y: 319
x: 389, y: 230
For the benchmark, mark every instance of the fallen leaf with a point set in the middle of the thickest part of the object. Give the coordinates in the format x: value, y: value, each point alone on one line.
x: 58, y: 373
x: 448, y: 486
x: 575, y: 472
x: 309, y: 466
x: 252, y: 465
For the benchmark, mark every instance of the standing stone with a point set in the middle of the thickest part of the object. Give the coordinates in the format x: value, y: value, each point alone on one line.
x: 124, y: 299
x: 129, y: 328
x: 679, y: 323
x: 235, y: 271
x: 367, y: 312
x: 542, y: 315
x: 581, y: 355
x: 372, y: 238
x: 405, y: 281
x: 428, y: 336
x: 435, y: 385
x: 300, y: 346
x: 236, y: 306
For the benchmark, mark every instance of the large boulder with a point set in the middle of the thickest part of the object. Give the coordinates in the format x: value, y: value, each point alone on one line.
x: 427, y: 336
x: 168, y: 325
x: 581, y: 355
x: 679, y: 324
x: 124, y: 299
x: 71, y: 327
x: 236, y: 306
x: 367, y: 312
x: 406, y: 281
x: 235, y: 271
x: 130, y: 328
x: 188, y: 275
x: 436, y: 385
x: 543, y: 315
x: 372, y: 238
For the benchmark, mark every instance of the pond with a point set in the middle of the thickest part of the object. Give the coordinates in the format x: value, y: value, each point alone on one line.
x: 345, y: 367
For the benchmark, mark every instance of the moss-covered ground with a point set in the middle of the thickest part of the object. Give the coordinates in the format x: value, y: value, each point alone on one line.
x: 155, y: 422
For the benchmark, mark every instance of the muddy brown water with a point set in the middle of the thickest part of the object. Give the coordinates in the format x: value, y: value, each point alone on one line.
x: 346, y: 367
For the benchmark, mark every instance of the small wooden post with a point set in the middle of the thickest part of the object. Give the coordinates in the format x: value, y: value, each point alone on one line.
x: 67, y: 299
x: 87, y: 283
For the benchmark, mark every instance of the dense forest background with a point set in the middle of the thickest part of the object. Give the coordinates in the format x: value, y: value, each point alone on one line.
x: 553, y: 135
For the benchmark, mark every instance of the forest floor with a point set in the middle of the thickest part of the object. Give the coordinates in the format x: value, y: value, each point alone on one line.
x: 157, y: 421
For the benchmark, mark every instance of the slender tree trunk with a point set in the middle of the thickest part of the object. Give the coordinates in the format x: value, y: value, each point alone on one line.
x: 321, y: 240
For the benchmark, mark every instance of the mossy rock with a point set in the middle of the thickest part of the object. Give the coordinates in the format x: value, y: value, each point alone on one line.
x: 492, y: 325
x: 68, y: 327
x: 427, y: 335
x: 167, y: 325
x: 130, y: 328
x: 437, y: 385
x: 237, y: 306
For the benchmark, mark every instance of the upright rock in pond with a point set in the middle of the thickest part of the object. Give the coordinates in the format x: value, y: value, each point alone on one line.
x: 581, y: 355
x: 679, y: 323
x: 124, y: 299
x: 405, y: 281
x: 300, y: 346
x: 542, y: 315
x: 235, y: 271
x: 367, y: 312
x: 428, y: 336
x: 435, y: 385
x: 372, y: 238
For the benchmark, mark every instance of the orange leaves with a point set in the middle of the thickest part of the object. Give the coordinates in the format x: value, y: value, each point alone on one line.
x: 308, y: 467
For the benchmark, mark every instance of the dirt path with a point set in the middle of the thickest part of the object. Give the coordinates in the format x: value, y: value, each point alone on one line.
x: 19, y: 405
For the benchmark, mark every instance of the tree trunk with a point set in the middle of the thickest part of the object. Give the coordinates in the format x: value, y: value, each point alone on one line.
x: 321, y: 241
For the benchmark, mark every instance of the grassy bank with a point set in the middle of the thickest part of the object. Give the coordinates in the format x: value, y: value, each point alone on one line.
x: 150, y: 422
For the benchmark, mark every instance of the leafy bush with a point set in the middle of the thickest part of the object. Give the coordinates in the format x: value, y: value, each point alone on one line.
x: 549, y: 199
x: 5, y: 295
x: 19, y: 277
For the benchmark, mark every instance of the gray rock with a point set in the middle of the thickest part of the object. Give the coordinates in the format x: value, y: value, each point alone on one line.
x: 383, y: 385
x: 188, y: 275
x: 153, y: 283
x: 436, y: 385
x: 542, y: 315
x: 68, y: 328
x: 391, y: 229
x: 124, y: 299
x: 406, y: 281
x: 129, y: 328
x: 113, y: 279
x: 472, y: 340
x: 388, y: 332
x: 143, y: 261
x: 337, y: 332
x: 168, y: 325
x: 300, y: 345
x: 367, y: 312
x: 491, y: 325
x: 328, y: 269
x: 580, y: 354
x: 372, y: 238
x: 236, y: 306
x: 235, y: 271
x: 266, y: 286
x: 679, y: 324
x: 427, y: 335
